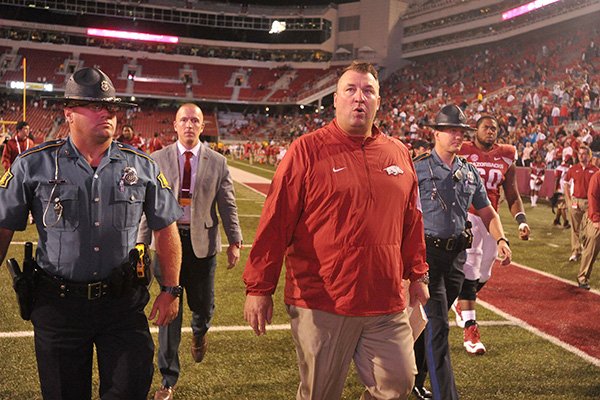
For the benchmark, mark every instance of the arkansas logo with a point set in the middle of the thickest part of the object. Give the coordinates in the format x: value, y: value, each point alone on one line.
x: 393, y: 170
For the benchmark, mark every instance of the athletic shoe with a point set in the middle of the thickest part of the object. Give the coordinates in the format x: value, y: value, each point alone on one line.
x: 471, y: 340
x: 456, y: 308
x: 584, y: 285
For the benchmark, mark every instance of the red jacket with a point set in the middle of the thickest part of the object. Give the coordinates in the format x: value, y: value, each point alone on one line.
x: 593, y: 197
x: 581, y: 178
x: 344, y: 212
x: 12, y: 149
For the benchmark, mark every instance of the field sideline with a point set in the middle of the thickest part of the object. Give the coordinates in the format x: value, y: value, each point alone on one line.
x: 519, y: 364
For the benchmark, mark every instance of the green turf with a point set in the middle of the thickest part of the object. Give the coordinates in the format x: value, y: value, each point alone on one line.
x: 518, y: 365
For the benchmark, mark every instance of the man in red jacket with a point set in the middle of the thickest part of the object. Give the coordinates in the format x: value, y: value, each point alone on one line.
x: 590, y: 231
x: 576, y: 187
x: 343, y: 211
x: 16, y: 145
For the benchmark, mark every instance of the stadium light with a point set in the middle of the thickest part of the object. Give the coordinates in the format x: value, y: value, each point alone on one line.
x: 146, y: 37
x: 19, y: 85
x: 526, y: 8
x: 277, y: 27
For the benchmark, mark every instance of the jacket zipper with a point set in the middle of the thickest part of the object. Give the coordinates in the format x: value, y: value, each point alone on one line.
x: 364, y: 153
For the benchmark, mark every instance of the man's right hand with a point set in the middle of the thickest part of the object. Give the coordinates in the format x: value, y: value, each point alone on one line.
x: 258, y: 312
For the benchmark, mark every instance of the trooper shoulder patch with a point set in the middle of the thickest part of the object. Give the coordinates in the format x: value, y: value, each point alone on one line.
x: 5, y: 179
x: 163, y: 181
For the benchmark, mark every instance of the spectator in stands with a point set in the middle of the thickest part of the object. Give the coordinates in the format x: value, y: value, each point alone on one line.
x: 575, y: 190
x: 155, y: 143
x: 129, y: 137
x: 419, y: 147
x: 527, y: 154
x: 347, y: 230
x: 536, y: 178
x: 16, y: 145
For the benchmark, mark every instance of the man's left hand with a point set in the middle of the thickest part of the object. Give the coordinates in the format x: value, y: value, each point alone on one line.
x: 233, y: 255
x: 418, y: 292
x: 164, y: 309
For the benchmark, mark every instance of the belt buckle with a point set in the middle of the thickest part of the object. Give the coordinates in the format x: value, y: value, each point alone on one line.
x: 450, y: 244
x: 94, y: 290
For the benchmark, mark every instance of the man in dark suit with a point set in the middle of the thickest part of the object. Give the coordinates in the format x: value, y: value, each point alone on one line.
x: 202, y: 181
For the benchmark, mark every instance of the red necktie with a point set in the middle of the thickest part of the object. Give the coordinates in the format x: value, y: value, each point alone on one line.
x: 187, y: 176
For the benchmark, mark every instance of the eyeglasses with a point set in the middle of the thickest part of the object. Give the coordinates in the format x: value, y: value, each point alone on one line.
x: 96, y: 107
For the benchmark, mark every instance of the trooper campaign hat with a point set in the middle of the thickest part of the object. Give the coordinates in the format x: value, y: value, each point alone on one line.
x: 91, y: 85
x: 451, y: 116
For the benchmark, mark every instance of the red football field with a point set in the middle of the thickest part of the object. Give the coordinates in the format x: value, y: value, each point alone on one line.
x: 553, y: 306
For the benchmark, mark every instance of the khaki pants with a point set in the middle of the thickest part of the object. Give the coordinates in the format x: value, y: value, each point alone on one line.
x: 381, y: 347
x: 590, y: 240
x: 576, y: 215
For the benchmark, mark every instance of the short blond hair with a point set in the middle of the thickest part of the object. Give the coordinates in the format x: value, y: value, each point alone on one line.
x: 363, y: 68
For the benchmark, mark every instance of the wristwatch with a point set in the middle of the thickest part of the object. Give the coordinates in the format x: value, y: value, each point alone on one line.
x: 424, y: 278
x: 175, y: 291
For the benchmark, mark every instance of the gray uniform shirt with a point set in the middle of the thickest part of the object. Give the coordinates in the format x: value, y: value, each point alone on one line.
x: 446, y: 194
x: 87, y: 219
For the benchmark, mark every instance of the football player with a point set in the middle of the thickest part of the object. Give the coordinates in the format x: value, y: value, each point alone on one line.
x: 496, y: 165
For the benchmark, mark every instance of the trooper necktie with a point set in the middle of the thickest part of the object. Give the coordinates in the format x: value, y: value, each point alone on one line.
x: 187, y: 179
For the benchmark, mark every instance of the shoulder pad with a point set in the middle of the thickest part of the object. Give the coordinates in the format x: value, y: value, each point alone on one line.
x: 422, y: 157
x: 134, y: 150
x: 52, y: 144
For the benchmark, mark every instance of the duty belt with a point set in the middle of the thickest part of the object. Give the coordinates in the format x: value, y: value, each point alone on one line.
x: 450, y: 244
x: 89, y: 291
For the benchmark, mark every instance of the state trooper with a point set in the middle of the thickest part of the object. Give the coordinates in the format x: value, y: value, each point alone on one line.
x: 87, y: 194
x: 448, y: 186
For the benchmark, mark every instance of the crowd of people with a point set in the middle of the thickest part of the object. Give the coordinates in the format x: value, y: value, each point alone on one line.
x: 445, y: 244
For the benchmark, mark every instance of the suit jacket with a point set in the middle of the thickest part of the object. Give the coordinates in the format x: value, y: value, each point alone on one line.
x: 213, y: 189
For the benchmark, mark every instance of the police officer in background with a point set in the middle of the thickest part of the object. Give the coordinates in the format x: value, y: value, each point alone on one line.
x: 448, y: 186
x: 87, y: 194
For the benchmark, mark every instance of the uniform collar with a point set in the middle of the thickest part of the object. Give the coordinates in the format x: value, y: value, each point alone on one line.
x: 113, y: 152
x: 456, y: 163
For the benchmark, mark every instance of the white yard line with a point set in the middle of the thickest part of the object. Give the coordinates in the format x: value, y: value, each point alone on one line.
x: 240, y: 328
x: 552, y: 339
